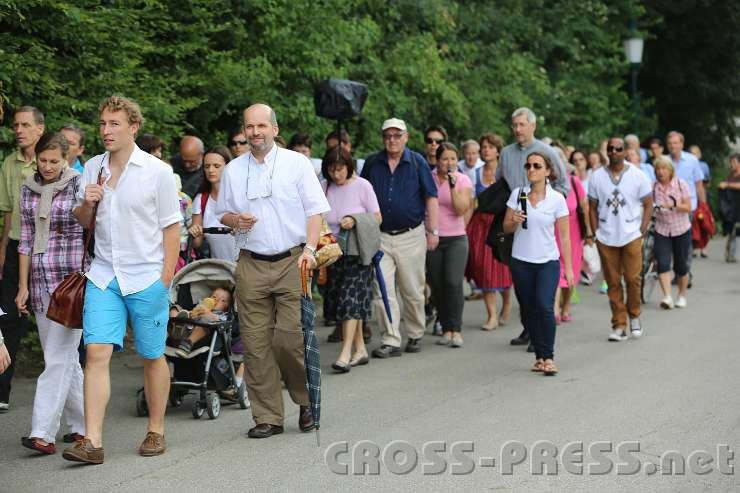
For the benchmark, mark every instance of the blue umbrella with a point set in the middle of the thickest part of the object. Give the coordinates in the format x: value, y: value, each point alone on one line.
x: 311, y: 355
x: 381, y: 284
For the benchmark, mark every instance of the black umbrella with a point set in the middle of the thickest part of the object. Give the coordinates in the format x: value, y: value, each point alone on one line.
x: 311, y: 355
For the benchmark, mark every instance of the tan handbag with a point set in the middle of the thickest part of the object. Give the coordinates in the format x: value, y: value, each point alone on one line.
x: 67, y: 300
x: 327, y: 250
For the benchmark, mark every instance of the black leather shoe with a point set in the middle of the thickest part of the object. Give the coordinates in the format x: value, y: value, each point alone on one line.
x: 530, y: 348
x: 305, y: 419
x: 413, y: 345
x: 335, y: 336
x: 385, y: 351
x: 521, y: 339
x: 264, y: 430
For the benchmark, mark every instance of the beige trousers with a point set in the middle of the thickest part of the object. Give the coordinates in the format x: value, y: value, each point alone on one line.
x: 268, y: 296
x: 403, y: 266
x: 618, y: 262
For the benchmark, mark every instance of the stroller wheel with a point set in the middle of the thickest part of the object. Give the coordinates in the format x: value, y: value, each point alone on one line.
x: 141, y: 407
x: 241, y: 396
x: 175, y: 397
x: 213, y: 405
x: 198, y: 409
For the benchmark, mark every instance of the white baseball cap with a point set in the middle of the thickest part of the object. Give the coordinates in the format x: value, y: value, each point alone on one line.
x: 393, y: 123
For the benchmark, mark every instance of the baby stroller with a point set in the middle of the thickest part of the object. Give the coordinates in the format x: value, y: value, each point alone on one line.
x: 207, y: 371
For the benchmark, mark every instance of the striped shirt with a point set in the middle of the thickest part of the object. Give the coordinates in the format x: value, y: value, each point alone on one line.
x: 63, y: 253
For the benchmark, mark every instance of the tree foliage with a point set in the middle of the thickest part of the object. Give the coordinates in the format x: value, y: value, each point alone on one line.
x: 195, y: 64
x: 690, y: 70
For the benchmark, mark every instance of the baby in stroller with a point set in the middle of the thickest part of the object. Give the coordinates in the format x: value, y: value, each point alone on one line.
x: 215, y: 308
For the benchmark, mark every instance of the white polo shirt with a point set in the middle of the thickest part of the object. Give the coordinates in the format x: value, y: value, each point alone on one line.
x: 619, y: 204
x: 282, y: 192
x: 130, y: 219
x: 536, y: 244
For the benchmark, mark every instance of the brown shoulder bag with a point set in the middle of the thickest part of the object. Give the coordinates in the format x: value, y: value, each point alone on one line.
x: 67, y: 300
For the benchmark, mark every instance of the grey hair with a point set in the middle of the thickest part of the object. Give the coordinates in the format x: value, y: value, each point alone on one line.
x: 470, y: 143
x: 632, y: 138
x: 38, y: 116
x: 273, y: 117
x: 531, y: 117
x: 674, y: 133
x: 198, y: 142
x: 74, y: 128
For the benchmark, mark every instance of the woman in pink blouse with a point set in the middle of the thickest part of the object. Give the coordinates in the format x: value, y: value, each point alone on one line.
x: 672, y: 231
x: 348, y: 290
x: 446, y: 264
x: 50, y: 248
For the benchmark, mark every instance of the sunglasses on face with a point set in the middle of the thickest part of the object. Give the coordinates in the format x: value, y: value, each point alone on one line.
x: 529, y: 166
x: 430, y: 140
x: 392, y: 136
x: 238, y: 142
x: 614, y: 149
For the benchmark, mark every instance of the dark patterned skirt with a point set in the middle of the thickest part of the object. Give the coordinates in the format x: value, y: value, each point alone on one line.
x: 349, y: 289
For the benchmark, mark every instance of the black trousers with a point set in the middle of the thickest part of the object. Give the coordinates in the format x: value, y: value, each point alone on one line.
x: 13, y: 327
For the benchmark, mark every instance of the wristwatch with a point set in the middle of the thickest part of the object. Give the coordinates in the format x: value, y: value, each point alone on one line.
x: 2, y: 339
x: 311, y: 249
x: 433, y: 232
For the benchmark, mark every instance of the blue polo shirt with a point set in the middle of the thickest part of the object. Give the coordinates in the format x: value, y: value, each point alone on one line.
x: 402, y: 194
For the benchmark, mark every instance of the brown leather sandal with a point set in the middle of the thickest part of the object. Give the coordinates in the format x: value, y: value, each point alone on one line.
x: 549, y: 368
x: 539, y: 365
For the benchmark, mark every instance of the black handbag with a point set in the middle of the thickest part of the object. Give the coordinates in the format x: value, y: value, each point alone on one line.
x: 493, y: 200
x: 579, y: 210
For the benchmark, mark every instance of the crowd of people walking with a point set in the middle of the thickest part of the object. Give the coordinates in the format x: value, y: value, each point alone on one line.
x: 427, y: 221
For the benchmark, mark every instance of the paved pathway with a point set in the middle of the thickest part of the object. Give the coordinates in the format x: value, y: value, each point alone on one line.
x: 675, y: 389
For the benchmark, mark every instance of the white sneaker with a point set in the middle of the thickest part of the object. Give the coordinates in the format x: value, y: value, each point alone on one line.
x: 681, y: 302
x: 635, y: 328
x: 618, y: 335
x: 4, y: 406
x: 667, y: 302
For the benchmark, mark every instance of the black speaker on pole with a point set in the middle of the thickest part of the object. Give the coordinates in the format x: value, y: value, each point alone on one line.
x: 339, y: 99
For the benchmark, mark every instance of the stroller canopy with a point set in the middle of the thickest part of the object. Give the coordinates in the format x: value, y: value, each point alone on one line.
x: 203, y: 276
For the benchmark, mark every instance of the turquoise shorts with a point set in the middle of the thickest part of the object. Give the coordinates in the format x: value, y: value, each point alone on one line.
x: 106, y: 312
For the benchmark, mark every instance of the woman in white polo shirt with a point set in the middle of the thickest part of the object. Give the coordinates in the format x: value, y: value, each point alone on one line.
x: 535, y: 258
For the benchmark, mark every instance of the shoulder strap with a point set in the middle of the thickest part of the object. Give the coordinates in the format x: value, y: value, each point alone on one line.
x: 575, y: 189
x: 203, y: 202
x: 91, y: 229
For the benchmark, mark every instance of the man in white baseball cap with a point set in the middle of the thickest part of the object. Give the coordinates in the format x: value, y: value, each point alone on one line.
x: 407, y: 196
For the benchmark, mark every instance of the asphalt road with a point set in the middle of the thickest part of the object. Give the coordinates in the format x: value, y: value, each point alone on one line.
x: 675, y: 389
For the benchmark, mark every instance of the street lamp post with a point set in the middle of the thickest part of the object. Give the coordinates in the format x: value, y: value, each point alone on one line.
x: 633, y: 51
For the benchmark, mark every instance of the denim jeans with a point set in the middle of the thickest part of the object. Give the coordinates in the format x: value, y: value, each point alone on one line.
x: 534, y: 286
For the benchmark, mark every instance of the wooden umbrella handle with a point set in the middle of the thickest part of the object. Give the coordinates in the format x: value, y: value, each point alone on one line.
x: 306, y: 274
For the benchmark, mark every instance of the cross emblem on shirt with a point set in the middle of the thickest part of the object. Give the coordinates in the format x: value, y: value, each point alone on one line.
x: 616, y: 201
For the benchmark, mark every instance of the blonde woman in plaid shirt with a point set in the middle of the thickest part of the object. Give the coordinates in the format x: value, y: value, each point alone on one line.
x: 50, y: 248
x: 672, y: 231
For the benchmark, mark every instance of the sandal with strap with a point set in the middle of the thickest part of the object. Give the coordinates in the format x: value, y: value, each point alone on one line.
x: 549, y: 368
x: 539, y: 365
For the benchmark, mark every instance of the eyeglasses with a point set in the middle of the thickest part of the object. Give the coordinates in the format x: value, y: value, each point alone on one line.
x: 429, y: 140
x: 238, y: 143
x: 261, y: 193
x: 529, y: 166
x: 390, y: 136
x: 614, y: 149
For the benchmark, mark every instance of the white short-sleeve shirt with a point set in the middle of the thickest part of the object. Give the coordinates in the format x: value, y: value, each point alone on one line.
x: 221, y: 246
x: 281, y: 192
x: 536, y: 244
x: 619, y: 204
x: 129, y: 243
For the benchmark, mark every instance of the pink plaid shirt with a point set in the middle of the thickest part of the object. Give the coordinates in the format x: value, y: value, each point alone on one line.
x: 670, y: 222
x: 63, y: 253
